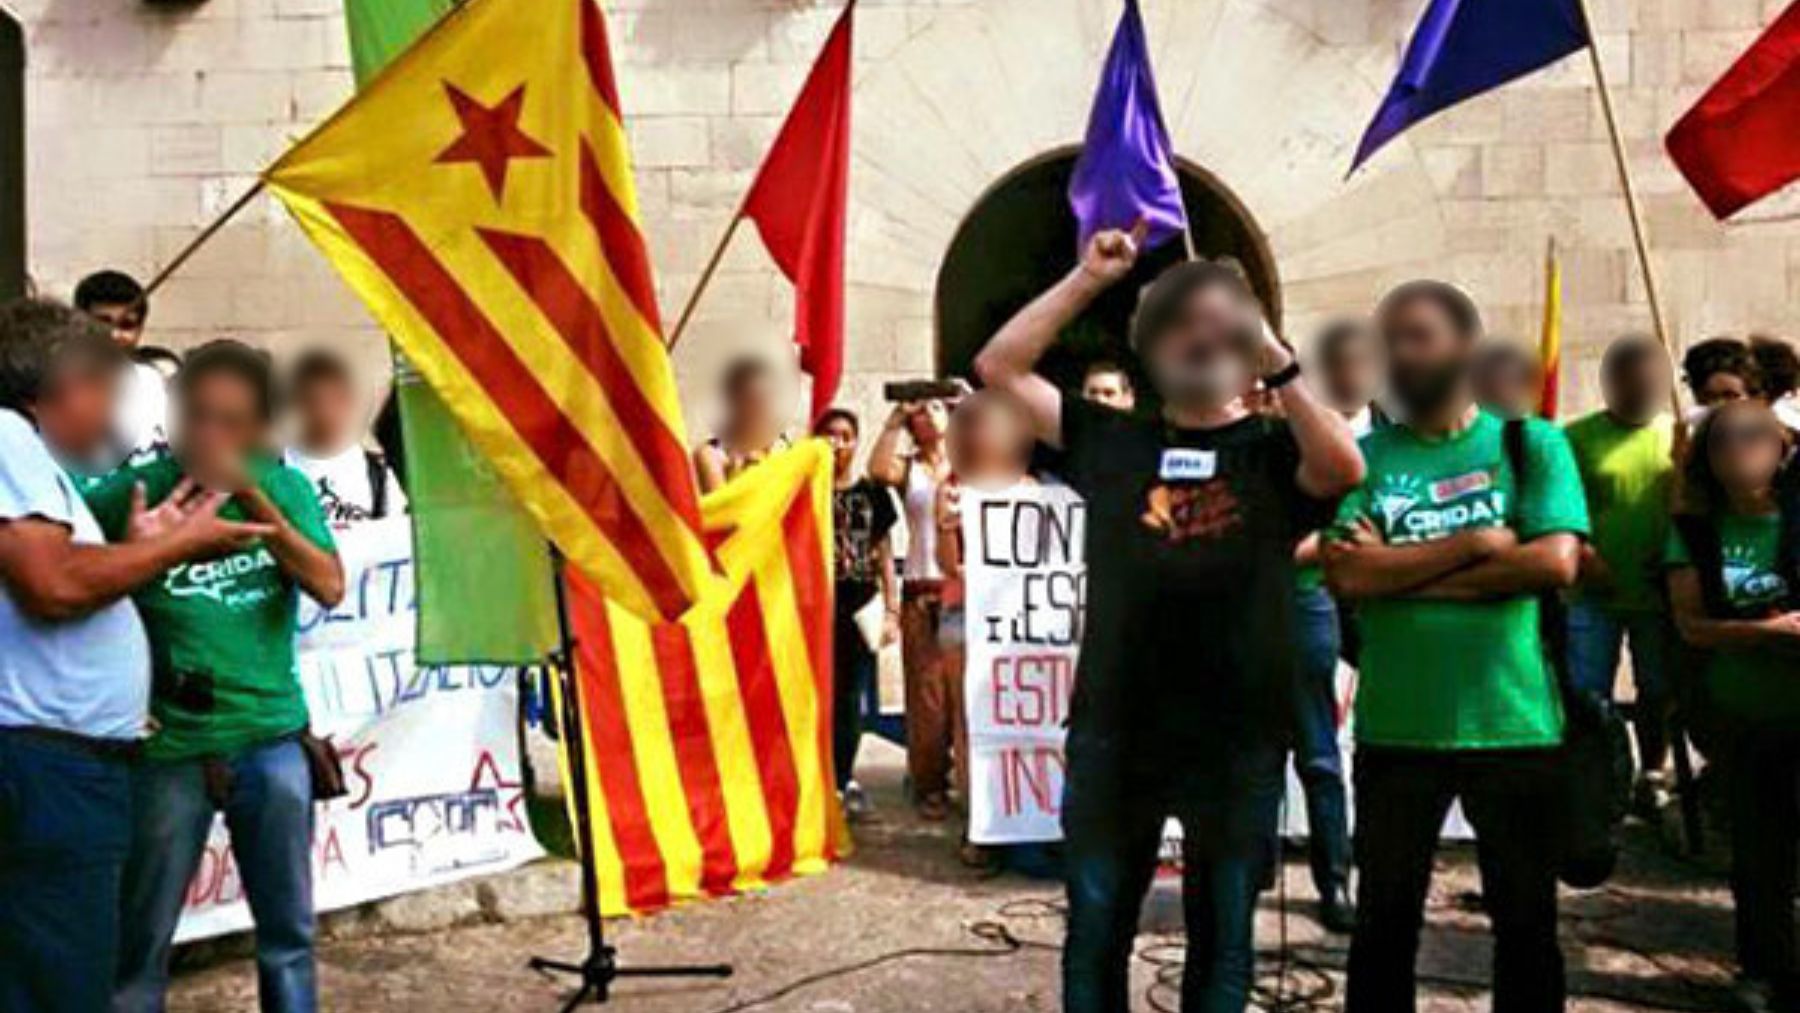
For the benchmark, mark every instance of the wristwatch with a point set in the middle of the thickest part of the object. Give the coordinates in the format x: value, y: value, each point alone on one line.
x: 1283, y: 376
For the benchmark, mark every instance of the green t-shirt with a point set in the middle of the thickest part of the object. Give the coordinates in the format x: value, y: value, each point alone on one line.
x: 1450, y: 674
x: 221, y: 630
x: 1627, y: 472
x: 1745, y: 683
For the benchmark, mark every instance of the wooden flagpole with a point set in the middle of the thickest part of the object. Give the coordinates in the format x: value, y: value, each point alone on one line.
x: 706, y: 275
x: 1640, y: 235
x: 212, y: 229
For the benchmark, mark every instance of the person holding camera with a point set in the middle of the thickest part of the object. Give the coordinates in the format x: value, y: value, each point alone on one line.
x: 1182, y: 697
x: 227, y: 700
x: 931, y: 690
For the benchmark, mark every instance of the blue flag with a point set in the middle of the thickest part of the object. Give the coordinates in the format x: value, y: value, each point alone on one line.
x: 1127, y: 165
x: 1462, y: 48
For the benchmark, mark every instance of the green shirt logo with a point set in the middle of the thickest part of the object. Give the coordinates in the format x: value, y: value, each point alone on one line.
x: 227, y: 580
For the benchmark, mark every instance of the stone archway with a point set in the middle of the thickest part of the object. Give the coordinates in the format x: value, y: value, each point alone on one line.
x: 1019, y: 237
x: 13, y: 279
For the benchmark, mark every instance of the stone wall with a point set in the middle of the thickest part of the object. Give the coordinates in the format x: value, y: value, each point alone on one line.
x: 146, y: 119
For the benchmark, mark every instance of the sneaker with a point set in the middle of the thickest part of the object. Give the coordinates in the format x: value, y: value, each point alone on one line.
x: 1337, y: 912
x: 857, y: 804
x: 1647, y: 799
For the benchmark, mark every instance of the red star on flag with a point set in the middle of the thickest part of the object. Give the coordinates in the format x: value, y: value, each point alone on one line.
x: 491, y: 137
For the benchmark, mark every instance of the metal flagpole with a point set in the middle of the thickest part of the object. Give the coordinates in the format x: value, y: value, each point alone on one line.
x: 600, y: 968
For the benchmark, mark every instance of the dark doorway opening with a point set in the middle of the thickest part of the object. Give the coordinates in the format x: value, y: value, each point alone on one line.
x: 1020, y: 238
x: 12, y: 158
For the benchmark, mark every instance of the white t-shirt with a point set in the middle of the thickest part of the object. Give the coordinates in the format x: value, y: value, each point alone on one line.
x: 89, y: 675
x: 341, y: 481
x: 920, y: 498
x: 141, y: 414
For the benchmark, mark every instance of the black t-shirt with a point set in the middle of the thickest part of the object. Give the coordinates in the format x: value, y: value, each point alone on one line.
x: 1188, y: 647
x: 862, y: 515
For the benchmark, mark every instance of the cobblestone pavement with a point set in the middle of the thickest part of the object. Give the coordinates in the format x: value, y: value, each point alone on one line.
x: 1657, y: 939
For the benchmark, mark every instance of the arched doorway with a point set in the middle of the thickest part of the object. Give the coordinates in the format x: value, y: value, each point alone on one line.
x: 1020, y: 237
x: 12, y: 157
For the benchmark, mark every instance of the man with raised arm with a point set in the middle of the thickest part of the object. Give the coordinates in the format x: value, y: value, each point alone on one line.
x: 1187, y: 655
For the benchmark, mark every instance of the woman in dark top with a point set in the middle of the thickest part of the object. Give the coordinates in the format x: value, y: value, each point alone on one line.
x: 1735, y: 589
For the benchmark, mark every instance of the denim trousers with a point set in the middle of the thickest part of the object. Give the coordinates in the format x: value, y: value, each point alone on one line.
x: 1317, y: 759
x: 65, y: 828
x: 1111, y: 844
x: 1402, y: 797
x: 853, y: 669
x: 1597, y: 636
x: 269, y: 811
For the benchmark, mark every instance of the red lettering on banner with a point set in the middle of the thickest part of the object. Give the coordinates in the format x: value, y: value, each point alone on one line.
x: 328, y: 855
x: 1032, y: 691
x: 358, y: 764
x: 1031, y: 780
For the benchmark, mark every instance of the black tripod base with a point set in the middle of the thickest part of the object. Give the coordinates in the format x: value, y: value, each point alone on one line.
x: 601, y: 969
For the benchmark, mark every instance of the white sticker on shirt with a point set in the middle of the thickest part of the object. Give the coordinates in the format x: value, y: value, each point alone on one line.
x: 1188, y: 465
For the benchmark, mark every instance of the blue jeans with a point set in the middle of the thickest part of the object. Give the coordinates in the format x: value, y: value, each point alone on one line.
x: 65, y: 826
x: 1596, y: 637
x: 1317, y: 759
x: 269, y: 812
x: 853, y: 669
x: 1112, y: 838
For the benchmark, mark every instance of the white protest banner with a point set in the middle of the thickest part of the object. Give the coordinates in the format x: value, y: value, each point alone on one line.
x: 1026, y: 585
x: 431, y: 755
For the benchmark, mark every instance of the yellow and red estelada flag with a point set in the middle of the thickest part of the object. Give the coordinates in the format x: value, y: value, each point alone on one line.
x: 478, y: 196
x: 708, y: 740
x: 1550, y: 341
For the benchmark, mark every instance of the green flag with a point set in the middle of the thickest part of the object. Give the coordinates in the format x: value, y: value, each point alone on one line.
x: 483, y: 569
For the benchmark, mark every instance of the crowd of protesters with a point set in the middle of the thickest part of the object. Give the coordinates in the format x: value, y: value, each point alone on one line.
x: 155, y: 538
x: 1400, y: 508
x: 1474, y: 563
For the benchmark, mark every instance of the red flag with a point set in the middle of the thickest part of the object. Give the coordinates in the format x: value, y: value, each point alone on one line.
x: 1739, y: 143
x: 798, y: 204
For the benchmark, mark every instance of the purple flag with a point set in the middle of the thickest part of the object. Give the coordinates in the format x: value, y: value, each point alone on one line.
x: 1127, y: 165
x: 1462, y: 48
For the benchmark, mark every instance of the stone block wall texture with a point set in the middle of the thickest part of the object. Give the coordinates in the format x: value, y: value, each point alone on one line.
x: 146, y: 119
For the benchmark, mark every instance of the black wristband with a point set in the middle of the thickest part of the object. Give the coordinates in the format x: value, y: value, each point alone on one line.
x: 1283, y: 376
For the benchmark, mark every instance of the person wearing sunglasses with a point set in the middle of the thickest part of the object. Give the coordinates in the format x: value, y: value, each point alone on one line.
x: 1735, y: 592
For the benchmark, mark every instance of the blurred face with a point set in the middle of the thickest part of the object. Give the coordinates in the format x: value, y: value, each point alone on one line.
x: 1506, y: 383
x: 221, y: 424
x: 1428, y: 360
x: 1746, y: 447
x: 1635, y: 389
x: 1109, y: 388
x: 125, y: 319
x: 326, y: 409
x: 1350, y: 374
x: 989, y: 442
x: 752, y: 405
x: 838, y: 432
x: 1722, y: 388
x: 929, y: 423
x: 76, y: 412
x: 1203, y: 359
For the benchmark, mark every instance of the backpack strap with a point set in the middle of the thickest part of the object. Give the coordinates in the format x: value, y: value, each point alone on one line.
x: 1512, y: 441
x: 1552, y: 615
x: 378, y: 487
